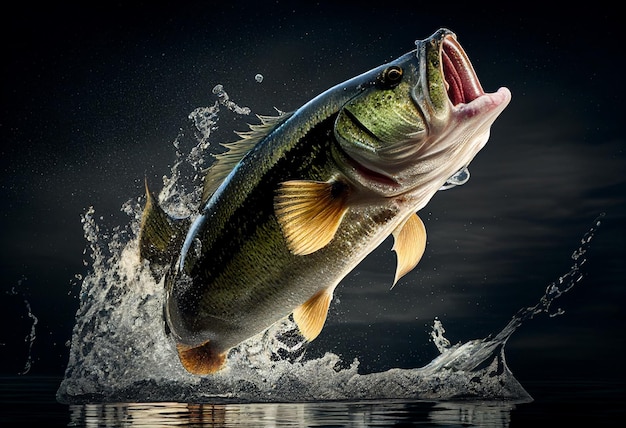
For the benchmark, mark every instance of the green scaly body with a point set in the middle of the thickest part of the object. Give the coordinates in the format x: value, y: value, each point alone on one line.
x: 292, y: 208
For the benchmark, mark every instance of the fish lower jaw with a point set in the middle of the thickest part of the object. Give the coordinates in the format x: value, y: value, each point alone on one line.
x: 487, y: 104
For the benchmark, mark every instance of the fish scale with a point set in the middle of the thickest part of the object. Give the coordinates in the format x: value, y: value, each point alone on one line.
x: 251, y: 241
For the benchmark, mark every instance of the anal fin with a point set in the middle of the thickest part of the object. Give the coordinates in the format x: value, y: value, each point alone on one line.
x: 409, y: 245
x: 311, y: 315
x: 201, y: 360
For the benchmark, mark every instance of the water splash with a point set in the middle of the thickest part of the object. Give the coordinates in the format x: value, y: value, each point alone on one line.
x: 225, y: 100
x: 459, y: 178
x: 120, y: 350
x: 30, y: 338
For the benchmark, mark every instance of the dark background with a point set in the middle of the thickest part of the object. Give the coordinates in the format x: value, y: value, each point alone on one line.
x: 93, y: 97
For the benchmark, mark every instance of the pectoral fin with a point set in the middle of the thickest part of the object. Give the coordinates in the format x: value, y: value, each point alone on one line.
x: 310, y: 212
x: 409, y: 245
x: 311, y: 315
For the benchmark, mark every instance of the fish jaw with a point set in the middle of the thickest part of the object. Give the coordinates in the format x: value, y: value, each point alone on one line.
x: 456, y: 145
x: 450, y: 95
x: 459, y: 114
x: 443, y: 120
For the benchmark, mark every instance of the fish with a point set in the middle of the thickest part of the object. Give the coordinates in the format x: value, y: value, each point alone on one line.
x: 294, y: 205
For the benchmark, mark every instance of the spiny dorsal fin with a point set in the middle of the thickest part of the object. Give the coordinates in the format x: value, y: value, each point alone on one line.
x: 310, y: 212
x: 409, y: 245
x: 201, y: 360
x: 311, y: 315
x: 235, y: 151
x: 159, y: 233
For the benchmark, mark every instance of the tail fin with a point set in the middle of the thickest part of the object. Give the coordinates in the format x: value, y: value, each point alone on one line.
x: 160, y: 234
x: 201, y: 360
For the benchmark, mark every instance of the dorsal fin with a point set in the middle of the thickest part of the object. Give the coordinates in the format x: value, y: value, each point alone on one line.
x: 311, y: 315
x: 235, y: 151
x: 409, y: 244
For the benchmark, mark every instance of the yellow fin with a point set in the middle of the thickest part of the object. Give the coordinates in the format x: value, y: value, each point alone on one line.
x: 409, y: 245
x: 309, y: 213
x: 203, y: 359
x: 311, y: 315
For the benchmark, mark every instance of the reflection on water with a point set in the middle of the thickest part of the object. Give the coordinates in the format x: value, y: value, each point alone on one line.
x: 29, y: 401
x: 352, y: 414
x: 487, y: 414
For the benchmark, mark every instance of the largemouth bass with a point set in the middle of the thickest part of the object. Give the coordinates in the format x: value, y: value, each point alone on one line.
x: 302, y: 198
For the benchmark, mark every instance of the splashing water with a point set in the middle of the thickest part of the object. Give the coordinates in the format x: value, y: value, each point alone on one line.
x: 225, y: 100
x: 459, y: 178
x: 30, y: 338
x: 32, y: 335
x: 120, y: 350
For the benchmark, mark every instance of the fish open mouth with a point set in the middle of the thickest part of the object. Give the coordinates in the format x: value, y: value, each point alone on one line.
x: 462, y: 84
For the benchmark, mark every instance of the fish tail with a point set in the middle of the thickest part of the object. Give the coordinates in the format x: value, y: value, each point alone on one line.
x: 201, y: 360
x: 160, y: 234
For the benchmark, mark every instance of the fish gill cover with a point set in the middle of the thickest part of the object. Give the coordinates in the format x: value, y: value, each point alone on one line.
x: 120, y: 350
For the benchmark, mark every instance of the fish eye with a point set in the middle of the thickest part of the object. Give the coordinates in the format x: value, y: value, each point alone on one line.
x: 390, y: 76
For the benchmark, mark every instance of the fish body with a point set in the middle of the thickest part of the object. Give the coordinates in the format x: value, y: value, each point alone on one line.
x: 303, y: 198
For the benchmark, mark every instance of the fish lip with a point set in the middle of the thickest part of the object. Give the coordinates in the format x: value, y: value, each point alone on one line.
x: 449, y: 88
x: 463, y: 88
x: 462, y: 83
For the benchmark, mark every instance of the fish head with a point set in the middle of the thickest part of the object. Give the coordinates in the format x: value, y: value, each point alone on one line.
x: 419, y: 119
